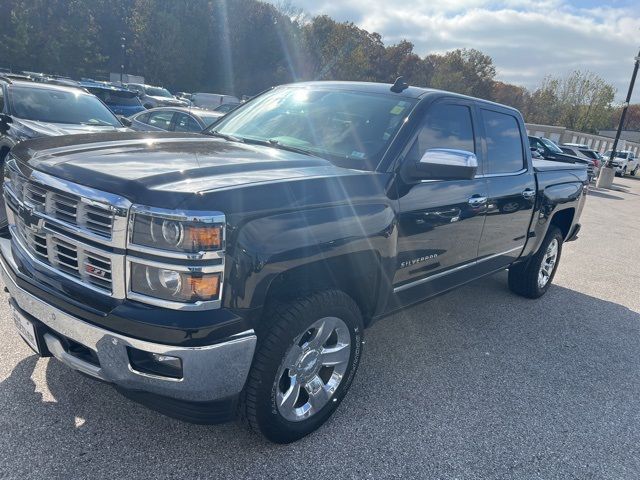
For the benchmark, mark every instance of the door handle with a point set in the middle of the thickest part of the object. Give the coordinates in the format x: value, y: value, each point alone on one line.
x: 477, y: 201
x: 529, y: 193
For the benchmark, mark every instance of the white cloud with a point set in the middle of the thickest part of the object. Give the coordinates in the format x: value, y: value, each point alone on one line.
x: 528, y: 40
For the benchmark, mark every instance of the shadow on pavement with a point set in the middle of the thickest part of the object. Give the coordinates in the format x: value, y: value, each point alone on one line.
x: 471, y: 382
x: 601, y: 193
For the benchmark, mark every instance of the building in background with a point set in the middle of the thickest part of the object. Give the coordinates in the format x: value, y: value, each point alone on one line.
x: 629, y: 135
x: 601, y: 142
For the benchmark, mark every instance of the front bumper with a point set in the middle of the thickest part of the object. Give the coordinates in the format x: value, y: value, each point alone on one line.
x: 210, y: 372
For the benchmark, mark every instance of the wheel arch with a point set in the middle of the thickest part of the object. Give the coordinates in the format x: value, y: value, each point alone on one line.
x: 563, y: 219
x: 358, y: 275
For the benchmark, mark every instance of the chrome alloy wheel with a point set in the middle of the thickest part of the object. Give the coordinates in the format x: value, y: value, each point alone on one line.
x: 548, y: 263
x: 313, y: 369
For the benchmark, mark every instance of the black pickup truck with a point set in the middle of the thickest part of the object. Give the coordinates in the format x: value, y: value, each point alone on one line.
x: 232, y: 273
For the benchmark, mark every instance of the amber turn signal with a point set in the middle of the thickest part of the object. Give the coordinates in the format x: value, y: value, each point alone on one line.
x: 203, y: 288
x: 203, y: 238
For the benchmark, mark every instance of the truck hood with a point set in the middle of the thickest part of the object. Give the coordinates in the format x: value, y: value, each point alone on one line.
x: 132, y: 163
x: 52, y: 129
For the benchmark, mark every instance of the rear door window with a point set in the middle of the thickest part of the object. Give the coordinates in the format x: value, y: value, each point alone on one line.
x: 186, y: 123
x: 160, y: 120
x: 504, y: 142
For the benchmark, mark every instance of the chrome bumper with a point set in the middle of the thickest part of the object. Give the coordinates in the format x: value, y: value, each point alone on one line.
x: 209, y: 373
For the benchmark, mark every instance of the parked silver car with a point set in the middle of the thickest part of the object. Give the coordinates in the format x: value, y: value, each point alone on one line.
x: 171, y: 119
x: 152, y: 97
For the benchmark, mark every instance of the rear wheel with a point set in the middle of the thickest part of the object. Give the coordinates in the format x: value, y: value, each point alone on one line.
x: 635, y: 170
x: 532, y: 278
x: 307, y: 355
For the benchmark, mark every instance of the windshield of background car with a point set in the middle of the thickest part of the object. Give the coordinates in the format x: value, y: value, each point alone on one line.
x: 58, y: 106
x: 351, y: 128
x: 590, y: 154
x: 157, y: 92
x: 116, y: 97
x: 618, y: 154
x: 550, y: 145
x: 208, y: 118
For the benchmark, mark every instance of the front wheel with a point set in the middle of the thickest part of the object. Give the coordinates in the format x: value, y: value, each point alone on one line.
x: 307, y: 355
x: 532, y: 278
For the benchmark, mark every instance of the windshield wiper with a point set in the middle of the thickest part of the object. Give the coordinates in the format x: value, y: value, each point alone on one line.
x: 276, y: 144
x: 95, y: 122
x: 231, y: 138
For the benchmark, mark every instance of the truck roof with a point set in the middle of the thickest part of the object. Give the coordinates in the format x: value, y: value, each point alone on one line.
x: 385, y: 88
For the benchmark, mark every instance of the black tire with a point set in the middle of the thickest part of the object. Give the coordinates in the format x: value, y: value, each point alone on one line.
x: 523, y: 277
x: 280, y: 327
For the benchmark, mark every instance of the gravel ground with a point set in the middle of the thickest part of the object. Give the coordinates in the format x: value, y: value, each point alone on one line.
x: 478, y: 383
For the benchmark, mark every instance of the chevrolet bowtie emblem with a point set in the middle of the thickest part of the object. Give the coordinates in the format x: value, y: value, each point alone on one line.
x: 30, y: 219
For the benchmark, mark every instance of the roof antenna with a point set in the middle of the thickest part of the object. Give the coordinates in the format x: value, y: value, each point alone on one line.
x: 399, y: 85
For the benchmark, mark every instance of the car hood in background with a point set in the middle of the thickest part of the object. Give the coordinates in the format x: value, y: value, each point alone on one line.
x: 45, y: 129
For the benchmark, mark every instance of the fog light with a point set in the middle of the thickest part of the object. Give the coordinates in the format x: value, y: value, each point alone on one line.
x: 155, y: 363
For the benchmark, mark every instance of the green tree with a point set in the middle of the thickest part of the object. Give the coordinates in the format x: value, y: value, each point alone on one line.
x: 466, y: 71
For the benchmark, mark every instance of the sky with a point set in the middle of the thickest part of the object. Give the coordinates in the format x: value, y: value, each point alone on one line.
x: 527, y: 40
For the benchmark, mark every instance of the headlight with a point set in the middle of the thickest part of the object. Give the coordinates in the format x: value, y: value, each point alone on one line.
x: 176, y: 258
x: 166, y: 230
x: 173, y: 285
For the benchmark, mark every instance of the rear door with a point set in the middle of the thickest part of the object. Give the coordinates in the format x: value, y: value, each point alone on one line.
x: 511, y: 186
x: 440, y: 221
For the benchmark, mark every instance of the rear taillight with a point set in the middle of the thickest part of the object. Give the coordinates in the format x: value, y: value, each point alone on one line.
x: 596, y: 163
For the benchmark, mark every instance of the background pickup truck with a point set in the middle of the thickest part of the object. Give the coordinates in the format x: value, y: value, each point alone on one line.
x: 233, y: 273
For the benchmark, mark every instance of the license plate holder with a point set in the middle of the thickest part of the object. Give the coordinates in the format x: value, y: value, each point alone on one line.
x: 27, y: 329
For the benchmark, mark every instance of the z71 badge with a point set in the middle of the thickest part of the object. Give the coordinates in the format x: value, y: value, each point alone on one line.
x: 408, y: 263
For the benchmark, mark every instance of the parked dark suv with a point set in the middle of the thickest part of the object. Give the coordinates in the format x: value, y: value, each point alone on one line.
x: 550, y: 151
x: 29, y: 110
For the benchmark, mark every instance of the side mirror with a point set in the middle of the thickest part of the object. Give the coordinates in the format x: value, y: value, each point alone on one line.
x: 443, y: 164
x: 125, y: 121
x: 6, y: 119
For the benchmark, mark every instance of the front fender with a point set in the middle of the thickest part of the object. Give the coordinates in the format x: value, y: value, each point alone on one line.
x: 338, y: 241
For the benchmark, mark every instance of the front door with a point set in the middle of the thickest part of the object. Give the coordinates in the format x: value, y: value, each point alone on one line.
x: 440, y: 221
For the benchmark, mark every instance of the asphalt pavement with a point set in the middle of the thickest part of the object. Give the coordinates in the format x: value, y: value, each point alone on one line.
x: 478, y: 383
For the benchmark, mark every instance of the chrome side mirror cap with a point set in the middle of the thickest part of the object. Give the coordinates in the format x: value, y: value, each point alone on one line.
x: 444, y: 164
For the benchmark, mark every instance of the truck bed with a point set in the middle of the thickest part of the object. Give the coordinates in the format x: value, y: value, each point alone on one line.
x: 548, y: 165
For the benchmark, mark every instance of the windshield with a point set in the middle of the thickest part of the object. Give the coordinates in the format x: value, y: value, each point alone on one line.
x: 550, y: 145
x: 226, y: 107
x: 350, y: 128
x: 208, y: 118
x: 116, y: 97
x: 590, y: 153
x: 60, y: 106
x: 618, y: 154
x: 157, y: 92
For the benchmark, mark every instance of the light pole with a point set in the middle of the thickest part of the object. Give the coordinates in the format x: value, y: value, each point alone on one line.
x: 124, y: 53
x: 606, y: 180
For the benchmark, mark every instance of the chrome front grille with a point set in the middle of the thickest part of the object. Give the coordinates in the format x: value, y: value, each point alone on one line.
x: 66, y: 255
x: 71, y: 209
x: 70, y: 229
